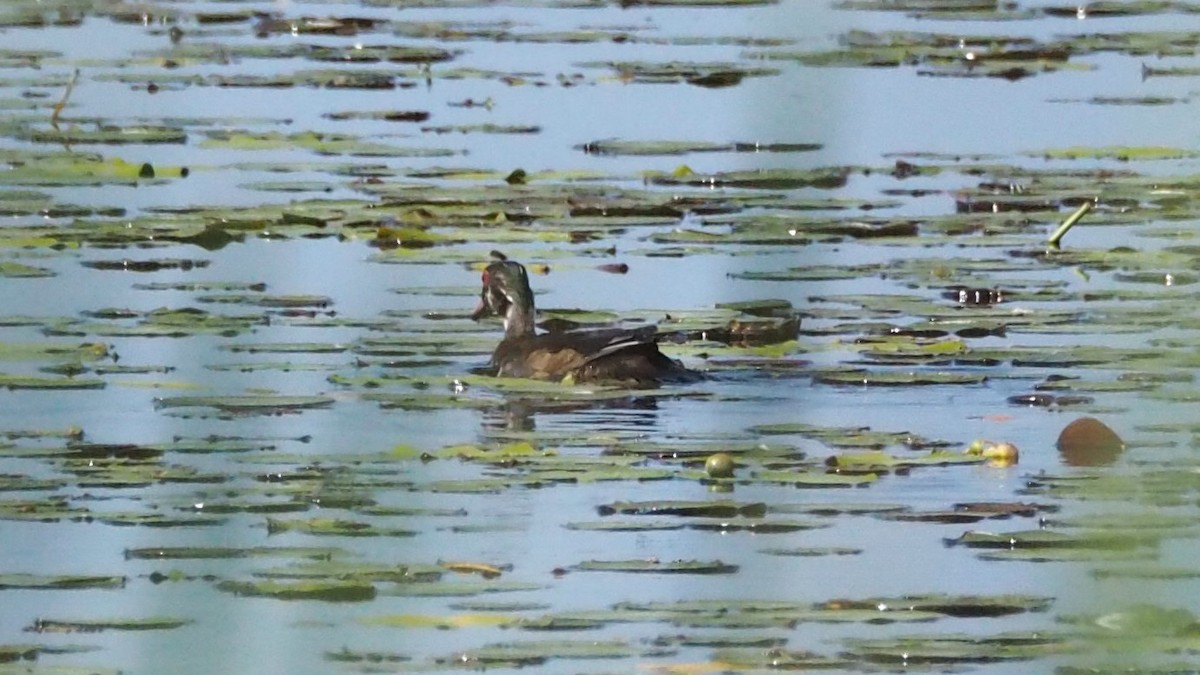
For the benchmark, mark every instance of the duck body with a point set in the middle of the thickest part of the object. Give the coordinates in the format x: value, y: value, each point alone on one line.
x: 630, y: 356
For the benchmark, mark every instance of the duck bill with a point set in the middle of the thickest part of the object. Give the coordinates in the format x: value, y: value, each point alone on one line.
x: 481, y: 310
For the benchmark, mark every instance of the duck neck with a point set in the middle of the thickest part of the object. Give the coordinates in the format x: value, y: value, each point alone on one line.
x: 518, y: 321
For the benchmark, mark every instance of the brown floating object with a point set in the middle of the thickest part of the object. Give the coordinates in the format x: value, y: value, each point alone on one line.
x: 1089, y: 442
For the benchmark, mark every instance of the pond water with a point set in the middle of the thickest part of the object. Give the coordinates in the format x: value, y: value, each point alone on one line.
x: 242, y: 426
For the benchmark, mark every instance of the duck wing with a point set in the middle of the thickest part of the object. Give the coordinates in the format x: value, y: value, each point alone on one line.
x: 611, y: 354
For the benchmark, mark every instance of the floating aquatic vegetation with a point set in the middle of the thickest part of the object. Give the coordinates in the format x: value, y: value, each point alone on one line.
x: 762, y: 179
x: 1011, y: 58
x: 625, y: 526
x: 324, y: 591
x: 379, y: 53
x: 710, y: 75
x: 110, y: 135
x: 879, y: 461
x: 851, y: 437
x: 777, y: 658
x: 811, y: 551
x: 908, y: 6
x: 287, y: 348
x: 720, y: 509
x: 58, y: 169
x: 618, y: 147
x: 1051, y: 539
x: 128, y: 265
x: 347, y: 655
x: 58, y: 583
x: 486, y: 128
x: 34, y: 382
x: 335, y: 527
x: 816, y: 479
x: 866, y: 378
x: 1124, y: 154
x: 263, y: 404
x: 441, y: 622
x: 950, y: 649
x: 536, y: 652
x: 654, y: 566
x: 100, y: 625
x: 323, y: 144
x: 10, y: 653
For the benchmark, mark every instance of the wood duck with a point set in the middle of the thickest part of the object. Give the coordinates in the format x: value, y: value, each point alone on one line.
x: 630, y: 356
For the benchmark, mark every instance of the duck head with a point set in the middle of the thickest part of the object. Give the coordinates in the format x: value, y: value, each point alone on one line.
x: 506, y: 294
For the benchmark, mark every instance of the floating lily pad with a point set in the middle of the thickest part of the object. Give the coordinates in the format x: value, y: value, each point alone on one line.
x: 618, y: 147
x: 711, y: 75
x: 1119, y: 153
x: 37, y: 582
x: 867, y: 378
x: 811, y: 551
x: 99, y: 625
x: 260, y: 405
x: 721, y: 509
x: 873, y: 461
x: 326, y: 591
x: 440, y: 622
x: 756, y: 658
x: 16, y: 270
x: 49, y: 383
x: 816, y: 479
x: 335, y: 527
x: 625, y: 526
x: 110, y: 135
x: 765, y: 179
x: 324, y: 144
x: 534, y: 652
x: 658, y: 566
x: 1035, y: 539
x: 948, y: 649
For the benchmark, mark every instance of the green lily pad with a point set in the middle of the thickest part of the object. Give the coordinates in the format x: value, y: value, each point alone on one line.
x: 537, y: 652
x: 324, y: 144
x: 711, y: 75
x: 851, y: 437
x: 325, y: 591
x: 335, y: 527
x: 948, y: 649
x: 815, y: 479
x: 811, y: 551
x: 261, y: 405
x: 616, y: 147
x: 658, y: 566
x: 98, y: 625
x: 63, y: 582
x: 764, y: 179
x: 16, y: 270
x: 624, y: 526
x: 110, y: 135
x: 49, y: 383
x: 866, y: 378
x: 460, y: 589
x: 347, y: 655
x: 718, y: 509
x: 440, y: 622
x: 876, y: 460
x: 1035, y: 539
x: 1120, y: 153
x: 770, y: 659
